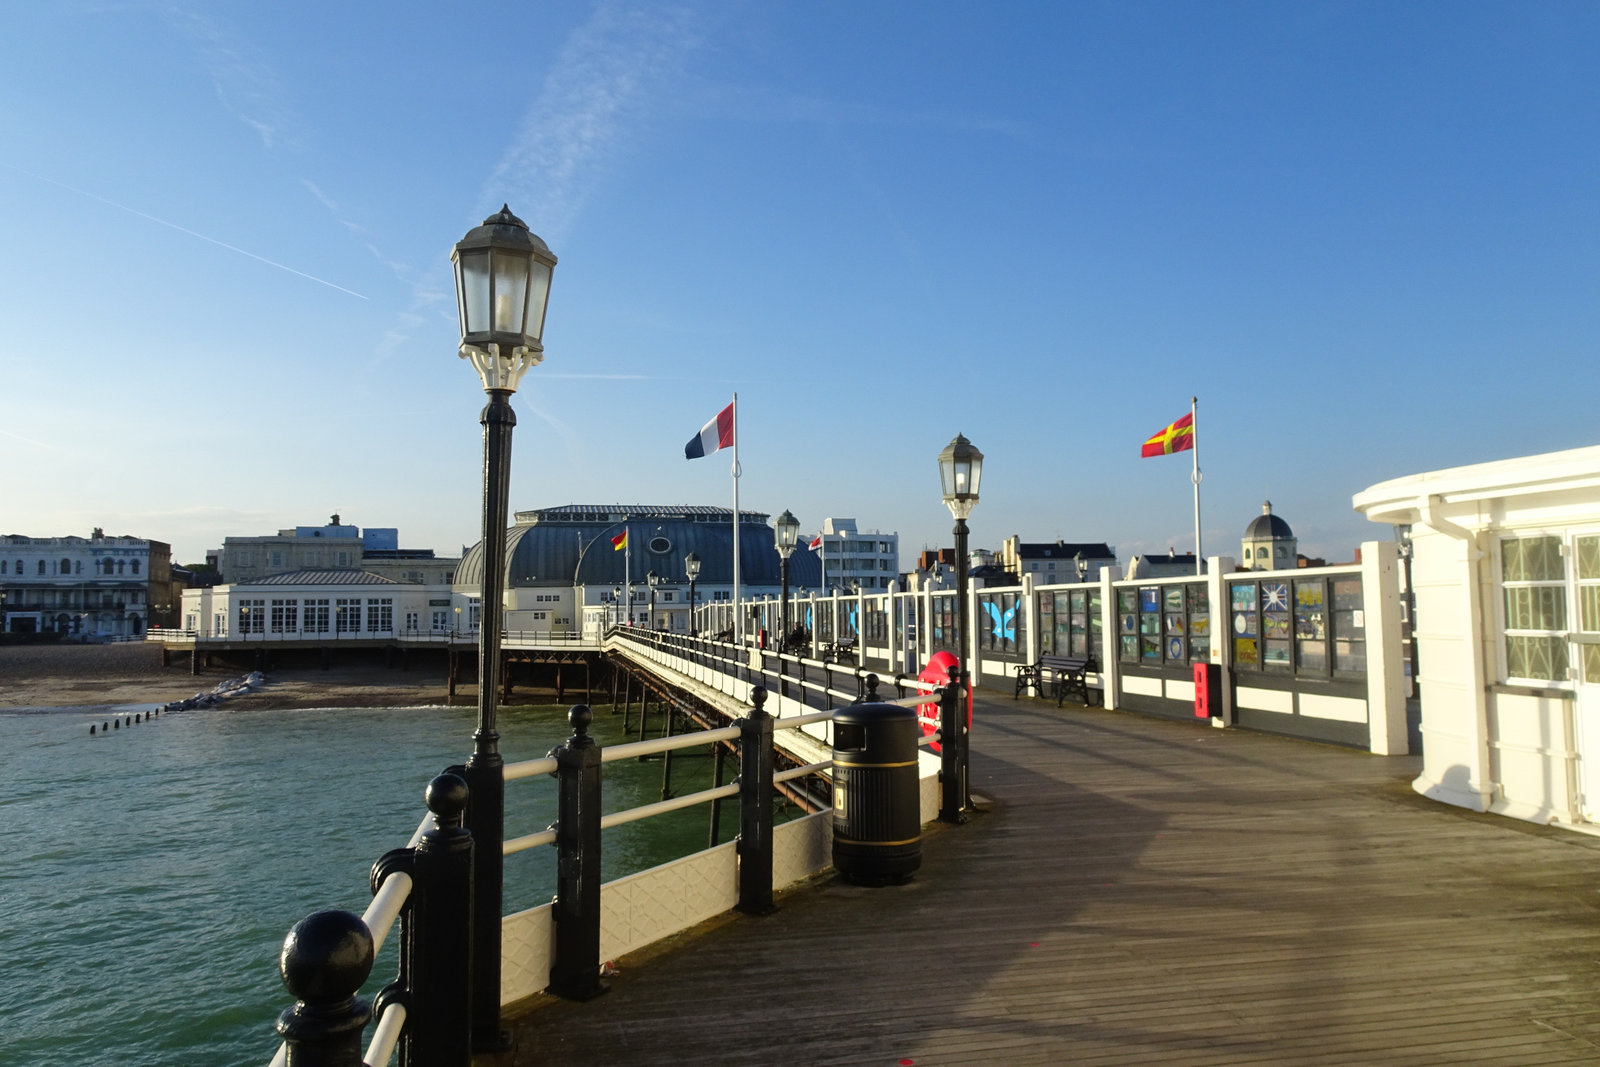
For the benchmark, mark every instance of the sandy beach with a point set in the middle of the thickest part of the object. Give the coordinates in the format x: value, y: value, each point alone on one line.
x: 80, y: 676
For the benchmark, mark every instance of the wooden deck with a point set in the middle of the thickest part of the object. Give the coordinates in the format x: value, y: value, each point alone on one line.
x: 1140, y: 891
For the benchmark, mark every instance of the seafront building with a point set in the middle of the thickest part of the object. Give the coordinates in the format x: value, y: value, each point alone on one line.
x: 1056, y: 561
x: 852, y: 558
x: 564, y: 573
x: 332, y: 547
x: 85, y: 587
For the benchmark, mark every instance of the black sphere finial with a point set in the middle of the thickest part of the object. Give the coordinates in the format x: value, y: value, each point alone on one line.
x: 580, y: 717
x: 446, y: 797
x: 326, y: 957
x: 758, y: 697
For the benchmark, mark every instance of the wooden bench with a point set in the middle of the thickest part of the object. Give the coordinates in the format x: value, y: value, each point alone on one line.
x: 1065, y: 675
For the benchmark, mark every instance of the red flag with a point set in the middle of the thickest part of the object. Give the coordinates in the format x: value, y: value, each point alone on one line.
x: 816, y: 542
x: 1179, y: 437
x: 619, y: 542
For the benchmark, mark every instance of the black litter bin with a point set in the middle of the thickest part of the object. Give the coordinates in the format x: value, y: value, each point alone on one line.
x: 877, y: 810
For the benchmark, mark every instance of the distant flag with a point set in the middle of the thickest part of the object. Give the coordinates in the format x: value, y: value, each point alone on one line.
x: 816, y: 542
x: 716, y: 434
x: 619, y: 542
x: 1179, y: 437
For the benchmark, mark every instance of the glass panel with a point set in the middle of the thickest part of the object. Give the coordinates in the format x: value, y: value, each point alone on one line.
x: 1276, y: 655
x: 1591, y: 664
x: 1172, y: 598
x: 510, y: 292
x: 1350, y: 656
x: 1536, y: 607
x: 1543, y: 658
x: 1127, y: 601
x: 1347, y: 594
x: 1589, y: 608
x: 1588, y: 557
x: 1150, y: 625
x: 1149, y: 599
x: 1199, y: 600
x: 1175, y: 624
x: 1244, y: 651
x: 1531, y: 559
x: 1150, y: 649
x: 1130, y: 648
x: 538, y: 299
x: 1175, y: 649
x: 1244, y: 596
x: 473, y: 279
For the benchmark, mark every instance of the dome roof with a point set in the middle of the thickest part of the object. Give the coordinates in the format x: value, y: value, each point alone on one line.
x: 1267, y: 526
x: 545, y: 552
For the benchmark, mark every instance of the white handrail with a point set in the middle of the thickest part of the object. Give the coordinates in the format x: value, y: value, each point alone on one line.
x: 385, y: 1036
x: 801, y: 772
x: 634, y: 749
x: 689, y: 800
x: 527, y: 841
x: 385, y: 907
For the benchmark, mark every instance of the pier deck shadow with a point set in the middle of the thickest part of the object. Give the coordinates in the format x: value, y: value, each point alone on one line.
x: 1136, y: 890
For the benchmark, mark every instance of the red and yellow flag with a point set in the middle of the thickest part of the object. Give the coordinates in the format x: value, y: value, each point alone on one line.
x: 619, y: 542
x: 1178, y: 437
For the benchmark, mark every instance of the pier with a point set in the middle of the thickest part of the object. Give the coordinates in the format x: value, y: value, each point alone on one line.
x: 1138, y: 890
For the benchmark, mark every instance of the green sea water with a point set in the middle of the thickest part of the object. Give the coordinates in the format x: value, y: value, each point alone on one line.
x: 150, y: 874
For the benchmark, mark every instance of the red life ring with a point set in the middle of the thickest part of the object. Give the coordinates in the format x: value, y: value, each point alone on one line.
x: 937, y: 672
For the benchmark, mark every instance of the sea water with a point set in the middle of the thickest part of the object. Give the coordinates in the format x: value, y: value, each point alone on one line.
x: 151, y: 873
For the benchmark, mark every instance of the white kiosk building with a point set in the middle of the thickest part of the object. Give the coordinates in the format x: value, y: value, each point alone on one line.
x: 1506, y: 574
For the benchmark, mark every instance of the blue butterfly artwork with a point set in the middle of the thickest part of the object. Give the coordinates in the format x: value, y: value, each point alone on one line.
x: 1004, y: 625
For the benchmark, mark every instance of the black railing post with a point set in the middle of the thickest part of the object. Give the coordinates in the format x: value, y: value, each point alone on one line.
x: 325, y: 959
x: 575, y: 972
x: 437, y: 945
x: 953, y: 749
x: 755, y: 808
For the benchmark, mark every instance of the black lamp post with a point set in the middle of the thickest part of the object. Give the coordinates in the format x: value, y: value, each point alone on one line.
x: 960, y: 470
x: 616, y: 604
x: 502, y: 286
x: 691, y: 567
x: 1082, y: 565
x: 786, y: 535
x: 652, y: 579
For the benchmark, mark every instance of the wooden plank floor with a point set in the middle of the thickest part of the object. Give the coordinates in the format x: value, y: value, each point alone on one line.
x: 1140, y: 891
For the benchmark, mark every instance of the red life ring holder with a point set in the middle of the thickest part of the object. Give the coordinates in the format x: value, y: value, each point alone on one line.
x: 937, y: 672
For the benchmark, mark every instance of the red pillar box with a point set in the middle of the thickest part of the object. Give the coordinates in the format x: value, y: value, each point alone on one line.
x: 1207, y: 691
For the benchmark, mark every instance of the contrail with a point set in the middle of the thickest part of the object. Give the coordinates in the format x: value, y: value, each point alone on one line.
x: 183, y: 229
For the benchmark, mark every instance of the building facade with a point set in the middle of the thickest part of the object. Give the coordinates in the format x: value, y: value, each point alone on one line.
x: 1505, y: 575
x: 1053, y: 563
x: 86, y: 587
x: 324, y: 605
x: 851, y: 558
x: 332, y: 547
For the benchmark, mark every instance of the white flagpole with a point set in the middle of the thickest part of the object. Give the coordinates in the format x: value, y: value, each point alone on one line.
x: 738, y: 616
x: 1194, y: 448
x: 627, y: 572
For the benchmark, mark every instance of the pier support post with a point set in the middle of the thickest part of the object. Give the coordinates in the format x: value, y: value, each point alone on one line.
x: 437, y: 927
x: 755, y: 808
x: 575, y: 972
x: 325, y: 959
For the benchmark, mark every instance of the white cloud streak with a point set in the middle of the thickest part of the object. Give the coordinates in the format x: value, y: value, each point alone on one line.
x: 605, y: 77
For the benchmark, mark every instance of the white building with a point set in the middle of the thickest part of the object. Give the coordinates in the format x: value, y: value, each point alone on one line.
x: 854, y: 558
x: 95, y: 586
x: 323, y: 605
x: 1506, y: 575
x: 1058, y: 562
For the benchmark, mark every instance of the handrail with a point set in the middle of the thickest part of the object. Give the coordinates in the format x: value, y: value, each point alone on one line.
x: 386, y: 1035
x: 661, y: 807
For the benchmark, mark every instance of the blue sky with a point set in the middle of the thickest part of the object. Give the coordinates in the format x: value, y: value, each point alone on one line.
x: 1365, y: 235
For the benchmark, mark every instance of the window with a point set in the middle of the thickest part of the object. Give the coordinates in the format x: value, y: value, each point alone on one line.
x: 3, y: 565
x: 1533, y: 576
x: 412, y: 619
x: 252, y: 616
x: 316, y: 616
x: 347, y: 615
x: 41, y: 566
x: 1588, y: 555
x: 135, y: 566
x: 65, y: 568
x: 380, y: 615
x: 285, y: 616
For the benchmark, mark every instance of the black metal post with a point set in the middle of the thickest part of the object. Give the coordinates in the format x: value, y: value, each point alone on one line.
x: 438, y: 923
x: 952, y: 749
x: 755, y: 808
x: 485, y: 769
x: 575, y: 971
x: 325, y: 959
x: 783, y: 608
x: 694, y: 630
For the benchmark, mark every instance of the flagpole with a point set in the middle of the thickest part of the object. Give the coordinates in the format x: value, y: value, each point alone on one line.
x: 1194, y: 449
x: 627, y: 572
x: 738, y: 616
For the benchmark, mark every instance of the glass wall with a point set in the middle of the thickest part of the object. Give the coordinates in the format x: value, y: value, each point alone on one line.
x: 1305, y: 627
x: 1164, y: 625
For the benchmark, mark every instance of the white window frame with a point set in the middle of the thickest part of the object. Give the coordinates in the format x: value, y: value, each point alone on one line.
x: 1503, y: 630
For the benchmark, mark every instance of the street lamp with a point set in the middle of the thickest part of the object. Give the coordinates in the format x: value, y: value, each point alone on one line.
x: 960, y: 470
x: 652, y: 579
x: 616, y: 604
x: 786, y: 534
x: 1081, y: 564
x: 691, y: 567
x: 502, y: 287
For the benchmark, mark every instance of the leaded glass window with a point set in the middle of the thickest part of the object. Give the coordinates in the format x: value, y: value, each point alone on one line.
x: 1533, y: 578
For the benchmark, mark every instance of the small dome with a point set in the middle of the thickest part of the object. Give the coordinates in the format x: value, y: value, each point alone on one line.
x: 1267, y: 526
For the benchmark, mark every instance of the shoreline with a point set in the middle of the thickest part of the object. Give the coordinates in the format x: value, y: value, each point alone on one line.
x: 93, y: 679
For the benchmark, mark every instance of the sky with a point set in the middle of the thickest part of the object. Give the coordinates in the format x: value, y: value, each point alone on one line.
x: 1366, y: 236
